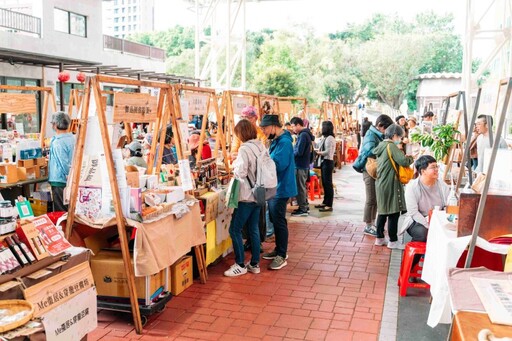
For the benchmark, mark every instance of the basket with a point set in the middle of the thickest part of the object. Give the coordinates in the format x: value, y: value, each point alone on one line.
x: 11, y: 308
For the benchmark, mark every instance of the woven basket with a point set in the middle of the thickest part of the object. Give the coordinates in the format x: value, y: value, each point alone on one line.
x: 15, y: 307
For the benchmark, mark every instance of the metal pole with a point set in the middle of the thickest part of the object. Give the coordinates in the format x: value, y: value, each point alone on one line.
x: 244, y: 46
x: 61, y: 89
x: 197, y: 71
x: 483, y: 196
x: 228, y: 46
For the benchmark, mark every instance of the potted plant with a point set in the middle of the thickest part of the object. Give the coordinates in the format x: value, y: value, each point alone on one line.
x: 443, y: 137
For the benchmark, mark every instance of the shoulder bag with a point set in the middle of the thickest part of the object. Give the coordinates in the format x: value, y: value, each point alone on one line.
x: 371, y: 167
x: 404, y: 174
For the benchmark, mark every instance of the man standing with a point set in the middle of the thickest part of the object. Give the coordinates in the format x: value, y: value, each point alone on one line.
x: 62, y: 146
x: 428, y: 122
x: 281, y: 151
x: 302, y: 152
x: 482, y: 142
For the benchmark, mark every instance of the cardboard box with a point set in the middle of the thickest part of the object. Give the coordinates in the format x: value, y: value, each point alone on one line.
x: 8, y: 173
x: 40, y: 161
x: 26, y: 163
x: 181, y: 275
x: 211, y: 206
x: 27, y: 173
x: 110, y: 277
x: 132, y: 178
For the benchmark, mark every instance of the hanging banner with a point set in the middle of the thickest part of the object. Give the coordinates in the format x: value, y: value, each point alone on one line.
x: 239, y: 103
x: 133, y: 107
x: 197, y: 103
x: 14, y: 103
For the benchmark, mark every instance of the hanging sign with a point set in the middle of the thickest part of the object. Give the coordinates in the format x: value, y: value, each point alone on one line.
x: 133, y: 107
x: 15, y: 103
x: 239, y: 103
x: 197, y: 103
x: 285, y: 107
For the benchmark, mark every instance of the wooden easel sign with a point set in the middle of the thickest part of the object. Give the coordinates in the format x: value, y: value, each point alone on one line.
x: 15, y: 103
x: 134, y: 107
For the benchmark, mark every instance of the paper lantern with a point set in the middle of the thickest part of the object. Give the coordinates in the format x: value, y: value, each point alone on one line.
x: 80, y: 77
x: 63, y: 76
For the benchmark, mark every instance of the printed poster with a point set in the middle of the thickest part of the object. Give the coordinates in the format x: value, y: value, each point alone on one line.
x: 187, y: 182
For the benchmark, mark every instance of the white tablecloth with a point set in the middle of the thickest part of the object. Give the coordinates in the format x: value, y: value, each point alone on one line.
x: 443, y: 252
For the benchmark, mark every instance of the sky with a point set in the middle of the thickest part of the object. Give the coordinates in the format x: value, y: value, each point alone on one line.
x: 324, y: 15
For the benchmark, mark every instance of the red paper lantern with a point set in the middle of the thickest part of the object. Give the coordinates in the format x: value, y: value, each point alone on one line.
x: 80, y: 77
x: 63, y: 76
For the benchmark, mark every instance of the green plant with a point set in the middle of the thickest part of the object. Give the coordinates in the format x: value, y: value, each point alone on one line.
x: 439, y: 142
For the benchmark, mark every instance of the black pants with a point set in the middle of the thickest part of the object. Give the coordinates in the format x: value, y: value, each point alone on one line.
x: 392, y: 225
x: 418, y: 232
x: 58, y: 199
x: 327, y: 168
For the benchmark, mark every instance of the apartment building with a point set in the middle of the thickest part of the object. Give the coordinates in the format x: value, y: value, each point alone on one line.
x: 122, y: 18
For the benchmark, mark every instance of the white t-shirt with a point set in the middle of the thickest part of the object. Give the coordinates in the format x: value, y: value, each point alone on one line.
x: 482, y: 143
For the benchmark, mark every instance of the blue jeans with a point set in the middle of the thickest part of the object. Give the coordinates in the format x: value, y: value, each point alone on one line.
x: 247, y: 214
x: 270, y: 226
x: 277, y: 211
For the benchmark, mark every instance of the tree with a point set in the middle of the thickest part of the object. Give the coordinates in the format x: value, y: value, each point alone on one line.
x: 277, y: 81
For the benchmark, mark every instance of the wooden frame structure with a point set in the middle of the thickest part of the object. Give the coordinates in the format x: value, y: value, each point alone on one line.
x: 274, y: 102
x: 283, y: 101
x: 229, y: 108
x: 21, y: 103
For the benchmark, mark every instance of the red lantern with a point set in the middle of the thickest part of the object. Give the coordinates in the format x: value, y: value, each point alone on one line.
x: 80, y: 77
x: 63, y: 76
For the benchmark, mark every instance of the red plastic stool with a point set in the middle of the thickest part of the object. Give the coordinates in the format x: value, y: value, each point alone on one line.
x: 411, y: 249
x: 352, y: 154
x: 314, y: 187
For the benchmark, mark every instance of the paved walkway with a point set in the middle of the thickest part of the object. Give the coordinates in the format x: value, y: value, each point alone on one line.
x: 332, y: 289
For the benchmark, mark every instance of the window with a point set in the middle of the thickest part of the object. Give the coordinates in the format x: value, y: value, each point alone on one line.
x: 134, y: 18
x: 116, y: 29
x: 116, y: 20
x: 122, y: 19
x: 129, y: 27
x: 69, y: 22
x: 115, y: 2
x: 122, y: 28
x: 28, y: 122
x: 116, y: 10
x: 129, y: 10
x: 134, y: 26
x: 122, y: 10
x: 129, y: 19
x: 134, y: 9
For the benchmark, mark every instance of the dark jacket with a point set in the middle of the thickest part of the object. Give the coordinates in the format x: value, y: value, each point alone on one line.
x: 371, y: 140
x: 281, y: 151
x: 390, y: 191
x: 302, y: 151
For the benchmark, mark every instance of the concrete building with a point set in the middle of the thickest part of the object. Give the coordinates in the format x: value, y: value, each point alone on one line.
x: 122, y: 18
x: 433, y: 90
x: 39, y: 38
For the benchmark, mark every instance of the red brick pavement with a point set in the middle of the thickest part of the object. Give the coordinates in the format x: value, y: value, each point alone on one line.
x: 332, y: 289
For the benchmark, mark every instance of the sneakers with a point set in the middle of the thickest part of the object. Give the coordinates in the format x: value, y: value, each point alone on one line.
x: 278, y: 263
x: 255, y: 269
x: 396, y: 245
x: 370, y: 230
x: 299, y: 213
x: 235, y: 270
x: 381, y: 242
x: 271, y: 255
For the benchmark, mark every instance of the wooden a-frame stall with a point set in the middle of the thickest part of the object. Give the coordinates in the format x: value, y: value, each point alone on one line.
x: 26, y: 103
x: 287, y: 103
x: 93, y: 92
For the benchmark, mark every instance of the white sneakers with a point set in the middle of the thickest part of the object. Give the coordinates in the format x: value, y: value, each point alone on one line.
x: 235, y: 270
x: 381, y: 241
x: 396, y: 245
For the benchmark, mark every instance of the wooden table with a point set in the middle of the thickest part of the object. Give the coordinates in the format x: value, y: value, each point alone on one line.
x: 467, y: 325
x: 24, y: 186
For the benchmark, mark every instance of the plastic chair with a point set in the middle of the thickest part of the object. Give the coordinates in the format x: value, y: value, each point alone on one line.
x: 352, y: 154
x: 314, y: 187
x: 411, y: 250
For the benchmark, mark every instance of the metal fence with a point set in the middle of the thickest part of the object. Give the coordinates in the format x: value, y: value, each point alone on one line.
x: 126, y: 46
x: 20, y: 22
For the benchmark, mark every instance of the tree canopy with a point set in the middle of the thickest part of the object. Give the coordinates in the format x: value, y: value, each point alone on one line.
x: 378, y: 59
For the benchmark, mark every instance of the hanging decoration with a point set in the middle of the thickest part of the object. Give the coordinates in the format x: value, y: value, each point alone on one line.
x: 63, y: 76
x: 80, y: 77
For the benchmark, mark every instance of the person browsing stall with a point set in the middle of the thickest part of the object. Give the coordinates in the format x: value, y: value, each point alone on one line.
x: 248, y: 113
x: 302, y: 152
x: 327, y: 147
x: 248, y: 211
x: 390, y: 191
x: 62, y: 146
x: 422, y: 195
x: 483, y: 124
x: 281, y: 151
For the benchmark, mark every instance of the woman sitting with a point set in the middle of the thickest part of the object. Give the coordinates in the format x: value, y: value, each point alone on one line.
x: 421, y: 195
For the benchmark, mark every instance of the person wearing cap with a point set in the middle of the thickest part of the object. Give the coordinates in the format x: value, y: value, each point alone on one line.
x: 135, y: 158
x: 281, y: 151
x: 62, y: 146
x: 193, y: 143
x: 248, y: 113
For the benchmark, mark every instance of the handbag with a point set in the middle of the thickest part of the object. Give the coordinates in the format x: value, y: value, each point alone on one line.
x: 317, y: 163
x: 371, y: 167
x: 404, y: 174
x: 233, y: 193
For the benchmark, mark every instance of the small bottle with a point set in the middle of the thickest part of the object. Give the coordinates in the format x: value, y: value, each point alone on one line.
x: 16, y: 251
x: 452, y: 205
x: 24, y: 249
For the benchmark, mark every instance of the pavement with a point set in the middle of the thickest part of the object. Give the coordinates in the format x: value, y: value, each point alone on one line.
x: 337, y: 286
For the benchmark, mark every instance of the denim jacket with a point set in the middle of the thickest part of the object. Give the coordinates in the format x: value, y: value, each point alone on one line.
x: 372, y: 138
x: 61, y: 156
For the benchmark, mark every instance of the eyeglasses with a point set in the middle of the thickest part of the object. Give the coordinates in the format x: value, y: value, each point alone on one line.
x: 433, y: 167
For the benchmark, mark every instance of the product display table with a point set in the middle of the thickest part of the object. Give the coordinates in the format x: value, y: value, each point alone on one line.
x: 25, y: 186
x: 443, y: 251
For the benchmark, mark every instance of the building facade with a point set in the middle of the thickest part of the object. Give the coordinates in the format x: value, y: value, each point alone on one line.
x: 122, y: 18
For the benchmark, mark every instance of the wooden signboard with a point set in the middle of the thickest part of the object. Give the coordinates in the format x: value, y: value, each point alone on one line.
x: 15, y: 103
x: 133, y: 107
x: 197, y: 103
x: 240, y: 102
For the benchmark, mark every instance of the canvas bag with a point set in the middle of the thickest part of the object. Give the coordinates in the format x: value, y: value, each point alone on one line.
x: 265, y: 187
x: 371, y: 167
x: 317, y: 163
x: 404, y: 174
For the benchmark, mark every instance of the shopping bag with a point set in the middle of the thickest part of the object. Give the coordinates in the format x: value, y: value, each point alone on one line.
x: 233, y: 193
